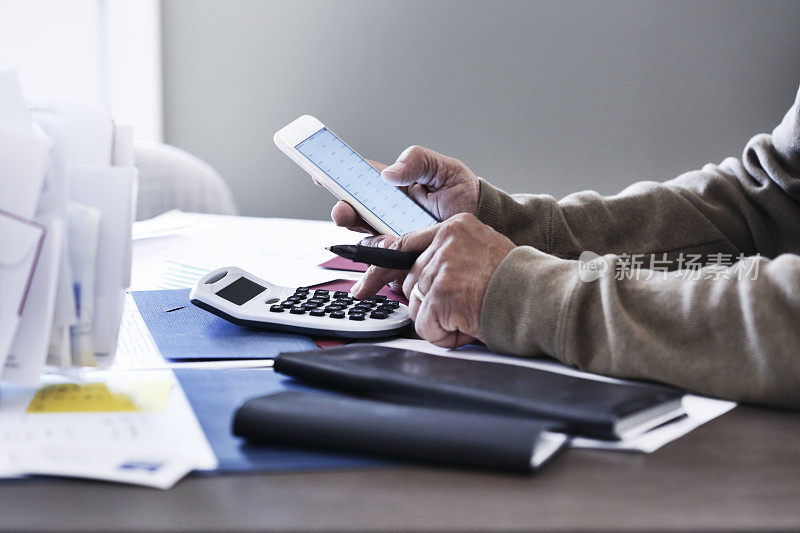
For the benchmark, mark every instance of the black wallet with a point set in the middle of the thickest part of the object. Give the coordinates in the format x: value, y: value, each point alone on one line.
x: 357, y: 425
x: 587, y: 407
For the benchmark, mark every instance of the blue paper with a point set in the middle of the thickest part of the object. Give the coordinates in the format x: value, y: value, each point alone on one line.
x: 182, y: 331
x: 216, y: 394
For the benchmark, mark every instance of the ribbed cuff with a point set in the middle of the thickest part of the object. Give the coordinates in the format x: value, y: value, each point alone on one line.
x: 489, y: 202
x: 526, y: 219
x: 526, y: 304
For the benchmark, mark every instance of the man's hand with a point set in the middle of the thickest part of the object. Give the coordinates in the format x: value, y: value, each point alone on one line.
x: 442, y: 185
x: 458, y: 259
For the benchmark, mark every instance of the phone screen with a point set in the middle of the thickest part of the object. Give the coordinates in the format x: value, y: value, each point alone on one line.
x: 344, y: 166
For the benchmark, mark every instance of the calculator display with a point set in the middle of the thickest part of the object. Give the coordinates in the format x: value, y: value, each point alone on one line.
x: 344, y: 166
x: 241, y: 291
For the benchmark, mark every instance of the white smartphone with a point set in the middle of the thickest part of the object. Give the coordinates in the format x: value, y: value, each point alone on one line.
x: 347, y: 175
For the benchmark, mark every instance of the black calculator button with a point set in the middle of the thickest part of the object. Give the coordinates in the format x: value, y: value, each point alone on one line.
x: 394, y: 303
x: 379, y: 315
x: 276, y: 309
x: 368, y: 301
x: 357, y: 316
x: 302, y: 289
x: 273, y: 301
x: 309, y: 307
x: 321, y: 291
x: 317, y: 312
x: 315, y: 301
x: 298, y: 310
x: 337, y: 314
x: 379, y: 297
x: 334, y: 308
x: 340, y: 294
x: 287, y: 304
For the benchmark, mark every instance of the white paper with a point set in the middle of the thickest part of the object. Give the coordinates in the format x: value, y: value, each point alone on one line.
x: 176, y: 249
x: 108, y: 189
x: 64, y: 316
x: 29, y: 350
x: 12, y: 105
x: 83, y: 228
x: 147, y: 448
x: 699, y: 409
x: 84, y: 130
x: 24, y: 158
x: 123, y: 154
x: 136, y: 348
x: 20, y: 245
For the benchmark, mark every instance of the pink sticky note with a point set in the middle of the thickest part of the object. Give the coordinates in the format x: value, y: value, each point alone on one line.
x: 340, y: 263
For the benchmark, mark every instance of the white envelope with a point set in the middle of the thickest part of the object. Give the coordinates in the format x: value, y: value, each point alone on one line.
x: 24, y: 157
x: 26, y: 358
x: 12, y: 105
x: 20, y: 246
x: 85, y: 131
x: 109, y: 189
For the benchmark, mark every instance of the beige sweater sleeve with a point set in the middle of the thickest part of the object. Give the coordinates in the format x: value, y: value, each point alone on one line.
x: 732, y: 333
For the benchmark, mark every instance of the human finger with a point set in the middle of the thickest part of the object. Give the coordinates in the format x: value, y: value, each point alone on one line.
x: 373, y: 280
x: 437, y: 320
x: 377, y: 165
x: 344, y: 215
x: 380, y: 241
x: 418, y: 281
x: 423, y: 166
x: 376, y: 277
x: 428, y: 326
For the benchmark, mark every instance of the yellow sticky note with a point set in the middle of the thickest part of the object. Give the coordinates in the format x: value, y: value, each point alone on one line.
x: 116, y: 396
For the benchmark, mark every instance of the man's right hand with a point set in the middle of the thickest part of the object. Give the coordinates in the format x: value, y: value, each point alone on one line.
x: 442, y: 185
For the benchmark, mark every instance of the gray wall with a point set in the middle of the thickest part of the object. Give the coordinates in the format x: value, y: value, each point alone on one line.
x: 551, y: 96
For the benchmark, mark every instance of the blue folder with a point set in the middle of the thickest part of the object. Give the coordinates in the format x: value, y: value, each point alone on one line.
x: 216, y: 394
x: 182, y: 331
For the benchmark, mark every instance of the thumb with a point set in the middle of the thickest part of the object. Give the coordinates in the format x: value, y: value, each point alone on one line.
x: 415, y: 165
x: 416, y: 241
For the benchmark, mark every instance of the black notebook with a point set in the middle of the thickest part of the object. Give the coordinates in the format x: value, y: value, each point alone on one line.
x: 358, y: 425
x: 587, y: 407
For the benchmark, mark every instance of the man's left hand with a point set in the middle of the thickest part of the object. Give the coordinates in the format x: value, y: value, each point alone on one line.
x: 458, y: 259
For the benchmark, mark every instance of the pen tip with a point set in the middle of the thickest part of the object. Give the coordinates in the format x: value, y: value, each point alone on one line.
x: 328, y: 248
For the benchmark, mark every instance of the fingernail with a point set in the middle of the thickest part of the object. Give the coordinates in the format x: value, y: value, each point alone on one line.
x: 355, y: 288
x: 391, y: 169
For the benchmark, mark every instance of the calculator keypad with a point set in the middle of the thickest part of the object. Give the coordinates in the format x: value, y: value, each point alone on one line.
x: 338, y: 305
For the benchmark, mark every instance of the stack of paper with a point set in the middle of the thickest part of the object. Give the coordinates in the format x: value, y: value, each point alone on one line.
x: 129, y: 427
x: 67, y: 195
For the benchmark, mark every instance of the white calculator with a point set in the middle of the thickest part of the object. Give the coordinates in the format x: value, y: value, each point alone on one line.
x: 246, y: 300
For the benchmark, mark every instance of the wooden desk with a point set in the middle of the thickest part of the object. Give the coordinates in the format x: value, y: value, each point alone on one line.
x: 741, y: 470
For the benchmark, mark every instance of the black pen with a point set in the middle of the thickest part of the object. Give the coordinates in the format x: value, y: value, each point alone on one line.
x: 372, y: 255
